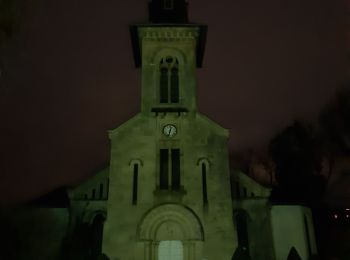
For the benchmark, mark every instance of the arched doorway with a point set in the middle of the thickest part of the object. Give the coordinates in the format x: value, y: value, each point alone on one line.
x: 170, y: 232
x: 170, y: 250
x: 96, y: 231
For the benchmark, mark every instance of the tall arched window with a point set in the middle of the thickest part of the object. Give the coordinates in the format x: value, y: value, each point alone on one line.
x: 204, y: 166
x: 163, y: 169
x: 174, y: 85
x: 169, y: 164
x: 135, y: 165
x: 169, y: 80
x: 96, y: 230
x: 163, y: 91
x: 204, y: 184
x: 134, y: 185
x: 175, y: 169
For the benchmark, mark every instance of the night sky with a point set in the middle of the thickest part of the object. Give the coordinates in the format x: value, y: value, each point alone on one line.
x: 68, y: 77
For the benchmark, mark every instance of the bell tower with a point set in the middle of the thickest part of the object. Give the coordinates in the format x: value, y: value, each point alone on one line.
x: 168, y: 50
x: 169, y: 186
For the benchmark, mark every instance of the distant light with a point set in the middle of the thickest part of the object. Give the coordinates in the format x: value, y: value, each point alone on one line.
x: 347, y: 209
x: 335, y: 216
x: 347, y: 216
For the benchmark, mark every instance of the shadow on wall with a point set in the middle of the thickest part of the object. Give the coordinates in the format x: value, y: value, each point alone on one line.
x: 293, y: 254
x: 241, y: 253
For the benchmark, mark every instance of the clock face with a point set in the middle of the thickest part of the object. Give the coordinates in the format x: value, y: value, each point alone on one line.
x: 169, y: 130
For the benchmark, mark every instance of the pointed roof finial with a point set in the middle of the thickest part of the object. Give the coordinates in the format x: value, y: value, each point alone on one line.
x: 168, y: 11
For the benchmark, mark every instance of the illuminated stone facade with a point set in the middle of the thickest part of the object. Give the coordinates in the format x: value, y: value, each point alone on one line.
x: 189, y: 200
x: 169, y: 181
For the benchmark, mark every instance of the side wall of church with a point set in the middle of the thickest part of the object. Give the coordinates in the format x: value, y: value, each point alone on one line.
x: 257, y: 213
x: 292, y: 226
x: 251, y: 201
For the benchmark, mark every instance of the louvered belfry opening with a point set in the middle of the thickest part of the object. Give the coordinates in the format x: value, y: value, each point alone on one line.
x: 169, y: 80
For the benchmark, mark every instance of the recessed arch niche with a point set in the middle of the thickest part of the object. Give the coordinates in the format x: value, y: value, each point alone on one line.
x: 171, y: 222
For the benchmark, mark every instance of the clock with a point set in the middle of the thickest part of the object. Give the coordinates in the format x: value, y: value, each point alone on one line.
x: 169, y: 130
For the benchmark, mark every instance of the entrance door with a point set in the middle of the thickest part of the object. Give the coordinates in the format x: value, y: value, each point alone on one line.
x: 170, y: 250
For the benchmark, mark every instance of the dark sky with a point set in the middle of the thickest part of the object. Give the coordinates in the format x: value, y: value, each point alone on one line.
x: 68, y: 77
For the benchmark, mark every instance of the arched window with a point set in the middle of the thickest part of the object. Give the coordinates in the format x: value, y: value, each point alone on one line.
x: 135, y: 165
x: 169, y: 163
x: 96, y: 229
x: 134, y: 185
x: 163, y: 91
x: 163, y: 169
x: 174, y: 85
x: 204, y: 185
x: 169, y: 80
x: 175, y: 169
x: 204, y: 165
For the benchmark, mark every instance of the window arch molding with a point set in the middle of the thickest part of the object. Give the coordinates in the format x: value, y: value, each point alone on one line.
x: 204, y: 161
x: 132, y: 162
x: 173, y: 52
x: 91, y: 215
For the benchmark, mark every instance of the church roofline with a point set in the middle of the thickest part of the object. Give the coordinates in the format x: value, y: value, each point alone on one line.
x: 135, y: 41
x: 115, y: 131
x: 224, y: 131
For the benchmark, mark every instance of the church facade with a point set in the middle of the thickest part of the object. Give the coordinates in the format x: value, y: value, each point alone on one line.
x: 169, y: 182
x: 167, y: 192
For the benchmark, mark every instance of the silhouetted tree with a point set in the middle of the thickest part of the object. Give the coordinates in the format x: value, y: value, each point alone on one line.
x: 297, y: 159
x: 77, y: 244
x: 10, y: 242
x: 85, y: 242
x: 9, y: 19
x: 334, y: 123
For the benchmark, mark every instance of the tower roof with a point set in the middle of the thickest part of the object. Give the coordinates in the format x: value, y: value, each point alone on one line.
x: 168, y: 11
